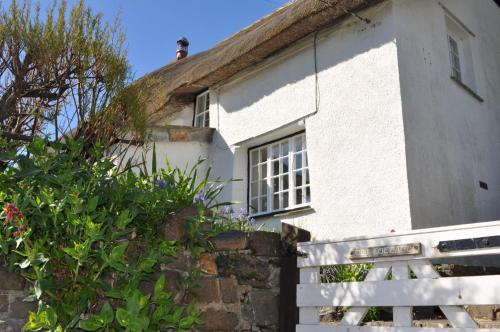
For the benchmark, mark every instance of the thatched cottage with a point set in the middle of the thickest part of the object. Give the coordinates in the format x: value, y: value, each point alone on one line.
x: 344, y: 117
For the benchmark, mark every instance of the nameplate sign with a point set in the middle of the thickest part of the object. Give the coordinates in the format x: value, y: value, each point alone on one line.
x: 409, y: 249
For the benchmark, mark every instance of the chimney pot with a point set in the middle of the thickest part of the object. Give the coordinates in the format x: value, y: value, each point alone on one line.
x: 182, y: 48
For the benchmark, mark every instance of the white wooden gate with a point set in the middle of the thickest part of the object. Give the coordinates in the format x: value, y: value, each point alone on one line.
x: 398, y: 254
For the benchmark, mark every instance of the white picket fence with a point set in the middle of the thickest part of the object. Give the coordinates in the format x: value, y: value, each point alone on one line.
x: 398, y: 254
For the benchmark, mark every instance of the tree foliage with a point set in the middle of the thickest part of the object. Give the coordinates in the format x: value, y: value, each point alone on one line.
x: 64, y: 73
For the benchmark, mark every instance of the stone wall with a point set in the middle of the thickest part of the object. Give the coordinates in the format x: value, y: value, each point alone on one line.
x: 13, y: 310
x: 239, y: 285
x: 238, y: 289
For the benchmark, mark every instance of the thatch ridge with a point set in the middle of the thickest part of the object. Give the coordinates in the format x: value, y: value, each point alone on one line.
x: 173, y: 86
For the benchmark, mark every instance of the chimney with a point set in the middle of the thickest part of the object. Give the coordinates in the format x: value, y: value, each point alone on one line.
x: 182, y: 48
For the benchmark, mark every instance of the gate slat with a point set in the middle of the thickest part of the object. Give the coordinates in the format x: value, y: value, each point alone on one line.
x: 355, y: 315
x: 457, y: 316
x: 337, y: 252
x: 402, y: 316
x: 479, y: 290
x: 309, y: 315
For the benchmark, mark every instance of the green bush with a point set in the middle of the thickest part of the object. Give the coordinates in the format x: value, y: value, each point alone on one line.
x: 85, y: 235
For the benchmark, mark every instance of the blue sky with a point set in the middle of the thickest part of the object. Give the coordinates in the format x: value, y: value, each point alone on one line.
x: 153, y: 26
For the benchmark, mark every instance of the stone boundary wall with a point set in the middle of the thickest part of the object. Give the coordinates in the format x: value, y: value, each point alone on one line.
x: 239, y: 284
x: 238, y: 289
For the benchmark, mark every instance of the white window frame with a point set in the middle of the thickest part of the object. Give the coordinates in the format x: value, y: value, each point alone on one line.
x: 263, y: 179
x: 460, y: 51
x: 202, y: 110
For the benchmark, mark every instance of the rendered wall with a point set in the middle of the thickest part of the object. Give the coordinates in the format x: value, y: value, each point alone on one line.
x: 355, y: 140
x: 452, y: 138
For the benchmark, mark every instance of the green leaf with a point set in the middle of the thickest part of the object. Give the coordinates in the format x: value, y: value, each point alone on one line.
x: 124, y: 218
x: 159, y: 285
x: 92, y: 204
x: 118, y: 252
x: 107, y: 313
x: 148, y: 264
x: 122, y: 317
x: 91, y: 324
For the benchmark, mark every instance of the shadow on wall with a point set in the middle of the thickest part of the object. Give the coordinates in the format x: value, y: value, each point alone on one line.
x: 330, y: 49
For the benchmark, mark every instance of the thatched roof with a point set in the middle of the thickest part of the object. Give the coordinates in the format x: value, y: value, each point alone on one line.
x: 172, y: 87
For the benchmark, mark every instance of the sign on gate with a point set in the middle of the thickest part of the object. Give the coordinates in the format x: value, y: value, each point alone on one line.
x: 386, y: 251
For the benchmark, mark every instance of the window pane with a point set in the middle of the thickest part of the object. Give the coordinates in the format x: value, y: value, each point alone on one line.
x: 298, y: 178
x: 298, y: 143
x: 254, y: 205
x: 275, y: 151
x: 298, y: 196
x: 308, y: 194
x: 307, y: 176
x: 207, y: 101
x: 263, y: 155
x: 285, y: 164
x: 199, y: 121
x: 276, y: 201
x: 263, y: 171
x: 285, y: 199
x: 276, y: 167
x: 255, y: 175
x: 254, y: 189
x: 263, y: 204
x: 306, y: 160
x: 255, y: 157
x: 284, y: 180
x: 276, y: 184
x: 298, y: 160
x: 263, y: 187
x: 284, y: 148
x: 207, y: 120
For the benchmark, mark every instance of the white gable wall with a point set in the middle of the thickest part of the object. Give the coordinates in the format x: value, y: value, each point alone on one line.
x: 355, y: 140
x: 452, y: 139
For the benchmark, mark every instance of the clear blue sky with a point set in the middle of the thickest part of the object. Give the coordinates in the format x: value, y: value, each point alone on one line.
x: 153, y: 26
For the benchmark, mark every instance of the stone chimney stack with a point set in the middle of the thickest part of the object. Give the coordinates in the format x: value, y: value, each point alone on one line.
x: 182, y: 48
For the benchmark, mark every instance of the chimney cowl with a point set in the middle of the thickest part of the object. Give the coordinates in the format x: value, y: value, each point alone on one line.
x: 182, y: 48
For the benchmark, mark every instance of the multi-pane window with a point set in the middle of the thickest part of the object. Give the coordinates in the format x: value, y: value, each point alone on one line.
x: 279, y: 176
x: 454, y: 58
x: 202, y: 115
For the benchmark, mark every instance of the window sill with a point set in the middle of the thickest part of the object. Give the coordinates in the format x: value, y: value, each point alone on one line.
x: 466, y: 88
x: 282, y: 213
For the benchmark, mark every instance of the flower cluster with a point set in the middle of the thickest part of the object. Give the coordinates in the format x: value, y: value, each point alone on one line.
x: 240, y: 216
x: 200, y: 198
x: 12, y: 212
x: 14, y: 216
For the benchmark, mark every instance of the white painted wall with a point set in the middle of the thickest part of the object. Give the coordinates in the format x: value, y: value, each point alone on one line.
x: 452, y: 139
x: 395, y: 143
x: 180, y: 154
x: 355, y: 140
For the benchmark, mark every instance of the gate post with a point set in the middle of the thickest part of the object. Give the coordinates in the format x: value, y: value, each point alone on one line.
x: 289, y: 276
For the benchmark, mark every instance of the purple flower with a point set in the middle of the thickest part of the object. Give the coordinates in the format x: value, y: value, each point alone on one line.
x: 160, y: 183
x: 226, y: 210
x: 251, y: 221
x: 200, y: 198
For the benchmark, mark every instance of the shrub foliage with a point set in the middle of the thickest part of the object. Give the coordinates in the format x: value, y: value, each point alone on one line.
x: 86, y: 235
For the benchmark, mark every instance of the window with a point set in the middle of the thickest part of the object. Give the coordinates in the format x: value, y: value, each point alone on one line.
x: 279, y: 176
x: 201, y: 114
x: 454, y: 58
x: 460, y: 52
